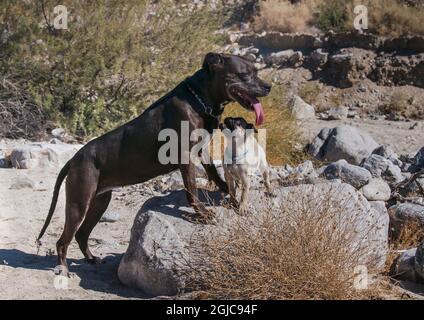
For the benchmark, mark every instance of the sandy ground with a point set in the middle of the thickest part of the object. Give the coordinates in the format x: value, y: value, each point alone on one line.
x: 26, y: 271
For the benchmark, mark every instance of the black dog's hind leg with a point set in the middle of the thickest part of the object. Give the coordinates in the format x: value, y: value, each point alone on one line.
x: 81, y: 186
x: 97, y: 208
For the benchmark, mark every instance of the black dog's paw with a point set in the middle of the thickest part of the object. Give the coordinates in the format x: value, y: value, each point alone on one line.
x: 204, y: 217
x: 61, y: 270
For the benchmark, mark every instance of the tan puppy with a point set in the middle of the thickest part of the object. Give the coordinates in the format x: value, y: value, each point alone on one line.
x: 243, y: 156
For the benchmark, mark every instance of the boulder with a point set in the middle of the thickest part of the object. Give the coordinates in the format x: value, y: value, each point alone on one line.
x: 405, y: 212
x: 160, y: 238
x: 410, y: 265
x: 349, y: 173
x: 386, y: 151
x: 419, y: 159
x: 376, y: 190
x: 343, y: 142
x: 419, y: 260
x: 404, y: 267
x: 300, y: 109
x: 279, y: 58
x: 42, y: 155
x: 384, y: 168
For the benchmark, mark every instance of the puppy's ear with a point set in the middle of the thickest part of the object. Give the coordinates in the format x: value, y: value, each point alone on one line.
x: 252, y: 127
x: 213, y: 61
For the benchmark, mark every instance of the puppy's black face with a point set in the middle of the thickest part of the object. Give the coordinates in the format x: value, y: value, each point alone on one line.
x: 233, y: 124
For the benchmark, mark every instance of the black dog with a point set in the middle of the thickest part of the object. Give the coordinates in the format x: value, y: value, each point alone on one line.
x: 129, y: 154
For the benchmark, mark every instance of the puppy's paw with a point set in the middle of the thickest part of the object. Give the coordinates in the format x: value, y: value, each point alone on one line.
x: 242, y: 211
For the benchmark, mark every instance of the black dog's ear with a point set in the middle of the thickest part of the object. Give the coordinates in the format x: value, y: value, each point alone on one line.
x: 251, y: 127
x: 212, y: 61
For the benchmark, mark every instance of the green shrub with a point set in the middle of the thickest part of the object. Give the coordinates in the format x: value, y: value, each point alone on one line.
x: 333, y: 15
x: 113, y: 61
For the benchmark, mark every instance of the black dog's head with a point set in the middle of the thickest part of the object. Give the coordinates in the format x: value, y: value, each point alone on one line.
x: 233, y: 124
x: 237, y: 79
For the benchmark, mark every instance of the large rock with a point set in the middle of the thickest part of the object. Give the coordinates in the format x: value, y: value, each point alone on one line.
x: 384, y: 168
x: 376, y: 190
x: 300, y: 109
x: 285, y: 57
x: 343, y: 142
x: 160, y: 237
x: 410, y: 265
x: 386, y: 151
x: 404, y: 268
x: 419, y: 260
x: 403, y: 213
x: 42, y: 155
x: 349, y: 173
x: 419, y: 159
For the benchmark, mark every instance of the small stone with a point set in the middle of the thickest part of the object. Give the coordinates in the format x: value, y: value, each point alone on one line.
x: 58, y: 132
x: 376, y: 190
x: 22, y: 183
x: 337, y: 113
x: 300, y: 109
x: 110, y: 216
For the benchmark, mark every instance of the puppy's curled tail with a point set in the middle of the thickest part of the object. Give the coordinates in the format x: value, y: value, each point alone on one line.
x: 62, y: 174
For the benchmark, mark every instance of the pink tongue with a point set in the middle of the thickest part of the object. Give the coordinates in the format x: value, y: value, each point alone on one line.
x: 259, y: 112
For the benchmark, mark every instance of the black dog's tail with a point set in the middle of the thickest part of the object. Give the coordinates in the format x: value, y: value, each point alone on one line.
x: 62, y: 174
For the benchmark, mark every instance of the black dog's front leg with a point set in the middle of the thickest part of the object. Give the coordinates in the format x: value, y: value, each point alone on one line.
x: 214, y: 176
x: 188, y: 172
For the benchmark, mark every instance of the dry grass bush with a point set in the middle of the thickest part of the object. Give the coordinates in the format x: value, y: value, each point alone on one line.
x: 284, y: 16
x: 283, y: 141
x: 309, y: 92
x: 386, y: 17
x: 398, y: 104
x: 301, y: 251
x: 409, y: 236
x: 114, y: 60
x: 20, y: 117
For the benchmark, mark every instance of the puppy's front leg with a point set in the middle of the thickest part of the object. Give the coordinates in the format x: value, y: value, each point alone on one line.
x: 244, y: 203
x: 188, y: 172
x: 267, y: 183
x: 231, y: 189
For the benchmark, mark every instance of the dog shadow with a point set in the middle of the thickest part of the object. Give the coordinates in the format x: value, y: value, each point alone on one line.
x: 100, y: 278
x: 175, y: 203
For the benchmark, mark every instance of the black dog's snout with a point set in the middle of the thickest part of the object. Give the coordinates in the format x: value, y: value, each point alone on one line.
x: 267, y: 87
